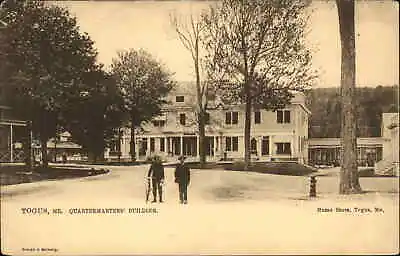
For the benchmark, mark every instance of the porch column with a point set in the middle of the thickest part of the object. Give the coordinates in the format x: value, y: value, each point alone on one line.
x: 198, y: 146
x: 137, y: 143
x: 293, y: 147
x: 181, y: 145
x: 11, y: 144
x: 165, y: 145
x: 271, y: 148
x: 259, y: 146
x: 148, y: 147
x: 214, y: 145
x: 222, y: 145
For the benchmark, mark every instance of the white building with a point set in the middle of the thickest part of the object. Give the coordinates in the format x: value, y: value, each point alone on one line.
x: 10, y: 133
x: 390, y: 132
x: 380, y: 152
x: 274, y: 135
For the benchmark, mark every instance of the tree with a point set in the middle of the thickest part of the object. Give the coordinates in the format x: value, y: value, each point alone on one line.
x: 49, y: 57
x: 143, y: 83
x: 349, y: 180
x: 95, y: 115
x: 190, y: 35
x: 3, y: 25
x: 325, y: 106
x: 257, y: 55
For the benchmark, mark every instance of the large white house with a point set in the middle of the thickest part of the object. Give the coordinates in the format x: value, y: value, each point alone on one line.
x: 379, y: 152
x: 390, y: 132
x: 274, y: 135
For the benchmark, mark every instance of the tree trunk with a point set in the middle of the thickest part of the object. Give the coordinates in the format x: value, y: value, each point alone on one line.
x: 349, y: 181
x: 133, y: 144
x: 119, y: 142
x: 201, y: 113
x: 55, y: 150
x: 45, y: 160
x: 202, y: 139
x: 247, y: 130
x: 98, y: 156
x: 92, y: 157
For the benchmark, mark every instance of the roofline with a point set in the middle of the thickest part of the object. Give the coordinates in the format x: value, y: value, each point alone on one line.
x: 304, y: 107
x: 224, y: 107
x: 13, y: 122
x: 5, y: 107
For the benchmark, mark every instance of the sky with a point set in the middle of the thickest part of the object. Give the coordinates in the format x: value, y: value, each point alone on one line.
x: 121, y: 25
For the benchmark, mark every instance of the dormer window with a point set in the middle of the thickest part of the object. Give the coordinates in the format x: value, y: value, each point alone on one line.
x: 257, y: 117
x: 180, y: 98
x: 159, y: 123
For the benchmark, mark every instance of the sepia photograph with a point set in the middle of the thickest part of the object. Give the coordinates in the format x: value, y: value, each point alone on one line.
x: 199, y: 127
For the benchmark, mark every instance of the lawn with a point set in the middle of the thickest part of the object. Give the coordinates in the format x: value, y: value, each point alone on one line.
x: 17, y: 174
x: 279, y: 168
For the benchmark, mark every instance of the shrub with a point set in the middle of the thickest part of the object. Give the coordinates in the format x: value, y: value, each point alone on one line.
x: 237, y: 166
x: 366, y: 172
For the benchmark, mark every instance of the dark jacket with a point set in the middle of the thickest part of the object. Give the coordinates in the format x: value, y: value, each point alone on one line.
x: 156, y: 171
x: 182, y: 174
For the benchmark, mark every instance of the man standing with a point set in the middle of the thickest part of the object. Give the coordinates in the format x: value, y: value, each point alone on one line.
x: 156, y: 172
x: 182, y: 177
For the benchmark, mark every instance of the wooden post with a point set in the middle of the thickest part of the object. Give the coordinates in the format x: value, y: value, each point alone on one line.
x: 11, y: 144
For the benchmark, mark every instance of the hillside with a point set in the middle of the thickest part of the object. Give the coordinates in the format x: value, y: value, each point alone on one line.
x: 324, y: 104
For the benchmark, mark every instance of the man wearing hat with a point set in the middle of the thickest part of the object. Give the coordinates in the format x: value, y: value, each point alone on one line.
x: 182, y: 177
x: 156, y: 173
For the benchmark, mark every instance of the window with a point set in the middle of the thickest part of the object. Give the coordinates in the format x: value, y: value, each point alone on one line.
x: 283, y: 116
x: 235, y: 144
x: 283, y: 148
x: 231, y: 144
x: 286, y: 116
x: 228, y: 118
x: 253, y: 146
x: 159, y: 123
x: 182, y: 119
x: 235, y: 117
x: 257, y: 117
x: 152, y: 144
x: 162, y: 144
x: 180, y: 98
x: 265, y: 146
x: 228, y: 144
x: 231, y: 117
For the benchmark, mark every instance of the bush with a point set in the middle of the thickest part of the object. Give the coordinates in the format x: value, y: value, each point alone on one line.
x: 366, y: 172
x: 284, y: 168
x: 237, y: 166
x: 19, y: 174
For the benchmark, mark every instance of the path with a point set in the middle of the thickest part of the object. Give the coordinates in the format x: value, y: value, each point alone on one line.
x: 226, y: 213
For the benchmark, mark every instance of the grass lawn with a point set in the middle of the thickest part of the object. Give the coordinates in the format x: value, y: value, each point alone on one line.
x: 111, y: 163
x: 279, y: 168
x: 17, y: 174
